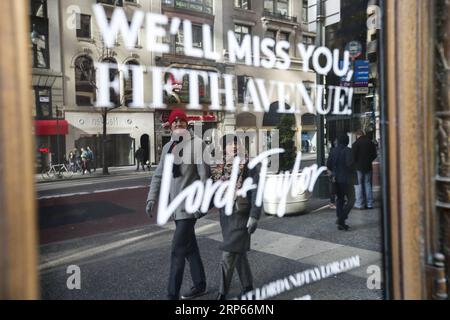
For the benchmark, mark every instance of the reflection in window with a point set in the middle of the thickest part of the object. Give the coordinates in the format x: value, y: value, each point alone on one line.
x: 277, y: 6
x: 196, y: 5
x: 242, y: 88
x: 84, y: 81
x: 128, y: 83
x: 113, y: 72
x: 305, y: 11
x: 43, y: 103
x: 39, y: 34
x: 83, y: 26
x: 284, y: 36
x: 307, y: 40
x: 197, y: 37
x: 112, y: 2
x: 240, y: 31
x: 242, y: 4
x: 38, y: 8
x: 272, y: 34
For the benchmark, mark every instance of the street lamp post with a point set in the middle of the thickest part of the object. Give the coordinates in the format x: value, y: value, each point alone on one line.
x: 322, y: 185
x: 57, y: 136
x: 320, y: 42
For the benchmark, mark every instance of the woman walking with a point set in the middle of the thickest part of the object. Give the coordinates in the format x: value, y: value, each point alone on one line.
x: 237, y: 227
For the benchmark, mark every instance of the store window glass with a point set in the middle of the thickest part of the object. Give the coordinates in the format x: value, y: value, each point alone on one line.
x: 310, y: 225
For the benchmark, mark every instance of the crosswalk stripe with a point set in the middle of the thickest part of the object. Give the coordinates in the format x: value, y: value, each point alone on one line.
x: 300, y: 249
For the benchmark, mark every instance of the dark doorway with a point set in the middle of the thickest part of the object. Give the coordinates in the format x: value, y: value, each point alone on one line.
x: 119, y: 149
x: 145, y: 144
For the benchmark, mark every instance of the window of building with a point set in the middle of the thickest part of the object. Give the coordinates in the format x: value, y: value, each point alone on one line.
x: 277, y: 6
x: 113, y: 72
x: 180, y: 92
x: 272, y: 34
x: 84, y: 81
x: 197, y: 39
x: 43, y: 102
x: 284, y: 36
x: 83, y: 26
x: 242, y: 4
x: 242, y: 87
x: 307, y: 40
x: 196, y: 5
x: 38, y: 8
x: 305, y: 11
x: 39, y: 34
x: 240, y: 31
x: 112, y: 2
x: 128, y: 83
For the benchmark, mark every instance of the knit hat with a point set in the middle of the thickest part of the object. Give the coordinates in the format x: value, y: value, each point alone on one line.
x: 177, y: 113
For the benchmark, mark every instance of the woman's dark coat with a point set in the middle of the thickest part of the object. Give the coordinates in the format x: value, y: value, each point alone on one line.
x: 234, y: 227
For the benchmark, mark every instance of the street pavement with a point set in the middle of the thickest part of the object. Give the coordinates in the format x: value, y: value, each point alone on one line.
x: 100, y: 226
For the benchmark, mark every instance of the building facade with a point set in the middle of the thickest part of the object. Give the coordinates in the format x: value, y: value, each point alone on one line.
x: 127, y: 128
x: 281, y: 20
x: 47, y: 83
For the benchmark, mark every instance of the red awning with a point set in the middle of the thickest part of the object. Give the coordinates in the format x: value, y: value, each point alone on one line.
x: 51, y: 127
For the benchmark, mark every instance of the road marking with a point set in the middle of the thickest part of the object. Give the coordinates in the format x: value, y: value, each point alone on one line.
x: 296, y: 248
x: 65, y: 195
x: 300, y: 249
x: 88, y: 253
x: 78, y: 183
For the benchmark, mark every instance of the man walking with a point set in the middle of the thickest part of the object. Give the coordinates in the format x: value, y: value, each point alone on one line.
x: 340, y: 163
x: 184, y: 173
x: 364, y: 153
x: 139, y: 155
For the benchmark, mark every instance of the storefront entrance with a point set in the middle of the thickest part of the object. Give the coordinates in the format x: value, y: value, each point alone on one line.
x: 119, y: 149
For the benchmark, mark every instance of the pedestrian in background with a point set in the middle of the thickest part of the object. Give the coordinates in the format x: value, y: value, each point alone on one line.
x: 84, y: 161
x: 184, y: 242
x: 364, y: 153
x: 340, y: 163
x: 331, y: 179
x: 78, y: 160
x: 139, y: 156
x: 237, y: 227
x: 91, y: 159
x: 72, y: 162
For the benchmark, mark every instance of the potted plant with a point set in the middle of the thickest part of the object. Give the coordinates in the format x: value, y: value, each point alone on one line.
x: 274, y: 182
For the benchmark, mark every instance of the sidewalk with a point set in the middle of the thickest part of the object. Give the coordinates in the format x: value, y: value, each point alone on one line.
x: 113, y: 171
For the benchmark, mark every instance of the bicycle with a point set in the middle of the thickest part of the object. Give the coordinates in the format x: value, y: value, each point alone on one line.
x: 57, y: 171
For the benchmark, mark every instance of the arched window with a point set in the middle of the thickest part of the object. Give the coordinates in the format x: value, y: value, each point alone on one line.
x: 84, y: 81
x: 128, y: 83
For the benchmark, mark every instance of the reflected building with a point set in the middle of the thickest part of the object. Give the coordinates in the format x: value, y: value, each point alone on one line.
x: 351, y: 34
x: 47, y: 83
x: 82, y: 47
x: 281, y: 20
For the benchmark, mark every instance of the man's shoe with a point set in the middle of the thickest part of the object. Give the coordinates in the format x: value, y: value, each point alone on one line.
x: 369, y: 208
x: 343, y: 227
x: 358, y: 208
x: 193, y: 293
x: 245, y: 291
x: 221, y: 297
